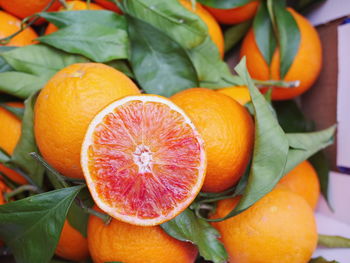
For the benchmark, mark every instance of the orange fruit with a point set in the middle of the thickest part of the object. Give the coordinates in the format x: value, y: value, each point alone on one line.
x: 309, y: 53
x: 67, y: 104
x: 303, y: 180
x: 109, y: 5
x: 234, y: 15
x: 10, y: 25
x: 228, y: 133
x: 239, y: 93
x: 214, y: 29
x: 278, y: 228
x: 72, y: 245
x: 123, y: 242
x: 10, y: 132
x: 143, y: 160
x: 24, y: 8
x: 76, y: 6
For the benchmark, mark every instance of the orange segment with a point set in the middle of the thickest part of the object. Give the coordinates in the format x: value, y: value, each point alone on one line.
x: 143, y: 160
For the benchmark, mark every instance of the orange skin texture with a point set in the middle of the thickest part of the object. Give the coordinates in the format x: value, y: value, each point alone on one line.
x: 68, y: 103
x: 108, y: 5
x: 238, y: 93
x: 72, y: 244
x: 214, y: 29
x: 305, y: 67
x: 234, y: 15
x: 9, y: 25
x: 279, y: 228
x: 76, y: 6
x: 10, y: 132
x: 303, y: 180
x: 123, y: 242
x: 228, y: 133
x: 24, y: 8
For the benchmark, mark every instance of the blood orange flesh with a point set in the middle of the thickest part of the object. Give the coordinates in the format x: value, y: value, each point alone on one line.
x: 143, y: 160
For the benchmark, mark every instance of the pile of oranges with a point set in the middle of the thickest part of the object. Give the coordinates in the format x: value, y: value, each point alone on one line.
x: 145, y: 158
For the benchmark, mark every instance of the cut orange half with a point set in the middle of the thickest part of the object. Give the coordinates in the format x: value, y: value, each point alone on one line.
x: 143, y: 160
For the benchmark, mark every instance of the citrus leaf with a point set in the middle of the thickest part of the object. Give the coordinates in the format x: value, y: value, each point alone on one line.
x: 270, y: 149
x: 26, y: 145
x: 235, y: 34
x: 227, y: 4
x: 188, y: 227
x: 322, y: 260
x: 264, y: 33
x: 333, y: 241
x: 18, y: 112
x: 123, y: 66
x: 31, y: 227
x: 4, y: 156
x: 4, y: 66
x: 160, y: 69
x: 288, y: 37
x: 20, y: 84
x: 170, y: 17
x: 98, y: 42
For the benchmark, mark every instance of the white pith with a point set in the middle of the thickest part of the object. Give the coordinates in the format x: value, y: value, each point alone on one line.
x: 142, y: 159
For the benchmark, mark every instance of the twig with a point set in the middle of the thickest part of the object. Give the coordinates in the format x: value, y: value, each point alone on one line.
x: 21, y: 189
x: 105, y: 218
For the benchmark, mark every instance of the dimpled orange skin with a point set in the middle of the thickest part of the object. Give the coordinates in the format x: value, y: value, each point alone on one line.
x: 68, y: 103
x: 279, y: 228
x: 123, y: 242
x: 76, y: 6
x: 214, y: 29
x: 10, y: 132
x: 10, y: 25
x: 303, y: 180
x: 234, y: 15
x: 238, y: 93
x: 228, y: 133
x: 24, y: 8
x: 305, y: 67
x: 108, y: 5
x: 72, y: 245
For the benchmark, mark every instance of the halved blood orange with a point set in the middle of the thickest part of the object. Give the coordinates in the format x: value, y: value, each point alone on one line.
x: 143, y: 160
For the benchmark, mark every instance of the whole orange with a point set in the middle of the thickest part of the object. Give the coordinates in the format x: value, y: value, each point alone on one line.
x: 10, y: 132
x: 123, y: 242
x: 278, y: 228
x: 10, y: 25
x: 309, y: 53
x: 228, y: 133
x: 72, y: 245
x: 239, y: 93
x: 67, y: 104
x: 214, y: 29
x: 24, y: 8
x: 73, y: 5
x: 303, y: 181
x: 234, y: 15
x: 109, y: 5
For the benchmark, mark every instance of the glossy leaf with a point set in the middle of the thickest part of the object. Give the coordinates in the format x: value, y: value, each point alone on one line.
x: 322, y: 260
x: 4, y: 66
x: 31, y: 227
x: 333, y: 241
x: 123, y: 66
x: 170, y: 17
x: 162, y: 69
x: 18, y: 112
x: 98, y: 42
x: 264, y: 33
x: 235, y: 33
x: 188, y: 227
x: 227, y: 4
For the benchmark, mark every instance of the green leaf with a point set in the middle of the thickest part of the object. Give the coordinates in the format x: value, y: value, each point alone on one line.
x: 4, y: 66
x: 333, y: 241
x: 304, y: 145
x: 264, y: 33
x: 162, y: 69
x: 95, y: 41
x: 188, y: 227
x: 288, y: 37
x: 4, y: 156
x: 322, y: 260
x: 18, y: 112
x: 123, y: 66
x: 172, y: 18
x: 26, y: 145
x: 20, y: 84
x: 40, y: 60
x: 235, y: 34
x: 31, y: 227
x: 227, y: 4
x: 270, y: 149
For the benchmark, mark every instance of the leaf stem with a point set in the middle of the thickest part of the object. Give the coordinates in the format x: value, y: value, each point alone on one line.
x: 277, y: 83
x: 106, y: 218
x: 19, y: 190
